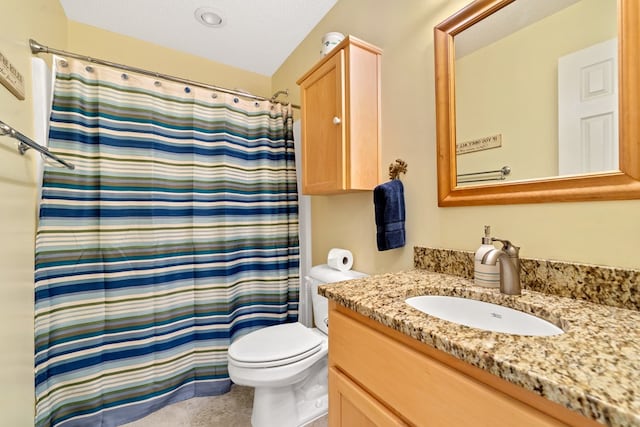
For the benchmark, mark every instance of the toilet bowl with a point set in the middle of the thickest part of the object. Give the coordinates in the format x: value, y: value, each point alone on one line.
x: 287, y: 363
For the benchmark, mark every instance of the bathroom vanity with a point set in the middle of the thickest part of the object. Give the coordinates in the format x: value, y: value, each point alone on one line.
x: 390, y: 364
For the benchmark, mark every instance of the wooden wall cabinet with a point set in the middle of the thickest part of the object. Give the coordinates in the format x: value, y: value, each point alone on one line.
x: 340, y: 99
x: 380, y: 377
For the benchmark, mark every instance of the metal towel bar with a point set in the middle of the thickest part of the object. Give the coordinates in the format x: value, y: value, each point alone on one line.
x: 26, y: 143
x: 475, y: 176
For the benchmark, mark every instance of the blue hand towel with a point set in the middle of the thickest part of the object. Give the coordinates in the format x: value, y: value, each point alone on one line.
x: 388, y: 199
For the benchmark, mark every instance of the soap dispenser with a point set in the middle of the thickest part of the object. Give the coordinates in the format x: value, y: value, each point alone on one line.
x: 486, y: 275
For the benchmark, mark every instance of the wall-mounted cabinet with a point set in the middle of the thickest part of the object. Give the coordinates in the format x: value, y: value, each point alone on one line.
x: 341, y: 120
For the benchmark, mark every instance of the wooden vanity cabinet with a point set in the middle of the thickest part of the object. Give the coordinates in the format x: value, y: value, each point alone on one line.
x: 380, y: 377
x: 340, y: 99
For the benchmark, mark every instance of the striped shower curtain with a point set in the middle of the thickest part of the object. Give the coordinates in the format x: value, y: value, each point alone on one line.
x: 176, y: 233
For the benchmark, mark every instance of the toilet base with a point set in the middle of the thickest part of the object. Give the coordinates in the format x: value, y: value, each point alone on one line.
x: 292, y: 406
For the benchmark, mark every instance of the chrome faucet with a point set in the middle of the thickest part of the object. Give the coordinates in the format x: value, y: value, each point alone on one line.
x: 509, y: 266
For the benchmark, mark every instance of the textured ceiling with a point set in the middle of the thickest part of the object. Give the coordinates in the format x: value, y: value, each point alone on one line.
x: 257, y: 35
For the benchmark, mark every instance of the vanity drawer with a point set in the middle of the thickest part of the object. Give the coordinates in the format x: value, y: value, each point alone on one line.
x: 352, y: 406
x: 420, y: 389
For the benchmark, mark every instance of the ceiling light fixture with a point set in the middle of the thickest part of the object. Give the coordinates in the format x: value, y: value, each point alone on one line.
x: 209, y: 17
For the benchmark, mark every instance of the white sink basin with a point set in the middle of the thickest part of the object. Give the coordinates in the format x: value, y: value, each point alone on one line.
x: 483, y: 315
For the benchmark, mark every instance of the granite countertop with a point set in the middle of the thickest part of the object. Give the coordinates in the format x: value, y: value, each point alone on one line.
x: 593, y: 368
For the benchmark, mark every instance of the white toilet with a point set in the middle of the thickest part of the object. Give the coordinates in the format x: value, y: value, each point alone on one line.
x: 287, y: 364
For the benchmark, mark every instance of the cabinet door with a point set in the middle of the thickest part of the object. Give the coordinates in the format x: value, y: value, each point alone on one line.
x: 323, y: 150
x: 350, y: 406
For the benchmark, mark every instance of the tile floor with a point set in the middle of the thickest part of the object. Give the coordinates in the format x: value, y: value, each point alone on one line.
x: 228, y: 410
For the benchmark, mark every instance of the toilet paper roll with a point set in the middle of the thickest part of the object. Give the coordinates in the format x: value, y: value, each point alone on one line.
x: 340, y: 259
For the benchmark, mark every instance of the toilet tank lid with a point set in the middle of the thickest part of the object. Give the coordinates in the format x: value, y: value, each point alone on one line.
x: 325, y: 274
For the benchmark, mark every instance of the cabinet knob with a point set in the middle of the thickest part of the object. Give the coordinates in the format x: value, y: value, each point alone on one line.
x: 336, y: 120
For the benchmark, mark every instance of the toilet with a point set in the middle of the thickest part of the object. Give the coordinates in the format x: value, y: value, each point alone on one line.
x: 287, y: 363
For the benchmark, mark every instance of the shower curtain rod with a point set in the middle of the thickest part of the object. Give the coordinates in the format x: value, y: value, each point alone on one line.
x: 39, y: 48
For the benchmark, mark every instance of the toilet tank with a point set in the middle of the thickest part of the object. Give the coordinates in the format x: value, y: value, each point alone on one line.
x: 320, y: 275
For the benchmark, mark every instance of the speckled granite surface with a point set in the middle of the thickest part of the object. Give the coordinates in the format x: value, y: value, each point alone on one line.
x: 612, y: 286
x: 593, y: 368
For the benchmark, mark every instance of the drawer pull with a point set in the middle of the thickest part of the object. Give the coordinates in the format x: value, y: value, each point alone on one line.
x: 336, y: 120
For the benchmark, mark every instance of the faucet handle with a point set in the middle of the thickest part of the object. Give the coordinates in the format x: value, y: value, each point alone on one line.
x: 511, y: 250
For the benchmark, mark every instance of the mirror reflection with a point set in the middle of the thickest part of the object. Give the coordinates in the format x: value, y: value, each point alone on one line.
x: 537, y: 92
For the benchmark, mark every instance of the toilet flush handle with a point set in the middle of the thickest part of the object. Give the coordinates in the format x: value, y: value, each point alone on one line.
x: 326, y: 322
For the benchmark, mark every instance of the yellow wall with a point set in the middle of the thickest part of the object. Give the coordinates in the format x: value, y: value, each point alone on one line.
x: 510, y: 87
x: 591, y: 232
x: 21, y: 20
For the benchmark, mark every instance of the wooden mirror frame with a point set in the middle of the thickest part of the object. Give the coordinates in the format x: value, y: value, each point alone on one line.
x: 621, y: 185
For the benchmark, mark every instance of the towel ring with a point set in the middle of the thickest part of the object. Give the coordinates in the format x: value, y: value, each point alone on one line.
x: 397, y: 168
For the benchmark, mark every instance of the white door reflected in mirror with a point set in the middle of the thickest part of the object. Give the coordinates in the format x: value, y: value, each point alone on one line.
x: 588, y: 110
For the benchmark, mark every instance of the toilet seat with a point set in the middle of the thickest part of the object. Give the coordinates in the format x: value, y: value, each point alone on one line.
x: 275, y: 346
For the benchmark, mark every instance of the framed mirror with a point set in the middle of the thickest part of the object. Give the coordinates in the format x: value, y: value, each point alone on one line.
x: 496, y: 144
